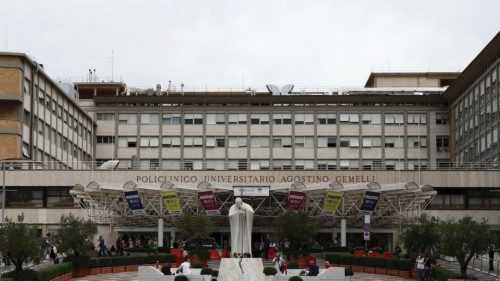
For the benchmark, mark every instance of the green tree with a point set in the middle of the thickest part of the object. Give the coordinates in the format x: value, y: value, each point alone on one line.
x: 296, y: 227
x: 20, y: 241
x: 193, y: 226
x: 464, y: 239
x: 421, y: 235
x: 76, y: 234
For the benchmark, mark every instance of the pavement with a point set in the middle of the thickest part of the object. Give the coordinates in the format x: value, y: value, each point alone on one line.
x: 455, y: 267
x: 4, y: 269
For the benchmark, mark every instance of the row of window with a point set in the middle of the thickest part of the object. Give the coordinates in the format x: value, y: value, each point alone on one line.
x: 479, y: 200
x: 39, y: 197
x: 265, y: 118
x: 299, y: 141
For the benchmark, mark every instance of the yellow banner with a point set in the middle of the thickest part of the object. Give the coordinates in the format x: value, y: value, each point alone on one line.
x: 332, y: 201
x: 171, y: 200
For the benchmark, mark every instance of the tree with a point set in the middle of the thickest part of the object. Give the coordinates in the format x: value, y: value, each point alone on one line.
x: 464, y: 239
x: 20, y: 241
x: 194, y: 226
x: 296, y: 227
x: 76, y: 234
x: 422, y: 235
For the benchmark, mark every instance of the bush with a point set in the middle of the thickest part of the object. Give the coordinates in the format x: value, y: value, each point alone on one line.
x: 78, y: 261
x: 270, y: 271
x: 50, y: 272
x: 405, y: 264
x: 339, y: 258
x: 377, y: 262
x: 22, y: 275
x: 197, y: 265
x: 6, y: 279
x: 206, y: 271
x: 348, y: 271
x: 336, y: 249
x: 443, y: 274
x: 215, y: 273
x: 293, y: 265
x: 201, y: 253
x: 295, y: 278
x: 181, y: 278
x: 360, y: 261
x: 392, y: 264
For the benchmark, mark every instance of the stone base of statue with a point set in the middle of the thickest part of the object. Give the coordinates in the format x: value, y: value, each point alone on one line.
x: 250, y: 269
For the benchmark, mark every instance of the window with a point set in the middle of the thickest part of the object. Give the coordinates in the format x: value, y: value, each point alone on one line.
x: 127, y: 142
x: 105, y: 139
x: 349, y: 141
x: 193, y: 165
x: 216, y: 118
x: 259, y: 165
x: 442, y: 143
x: 344, y: 142
x: 351, y: 118
x: 396, y: 142
x: 215, y: 164
x: 171, y: 142
x: 216, y: 142
x: 41, y: 96
x: 193, y: 141
x: 417, y: 118
x: 237, y: 118
x: 371, y: 118
x: 171, y: 164
x: 237, y: 141
x: 327, y: 141
x: 54, y: 105
x: 59, y: 111
x: 301, y: 141
x: 371, y: 141
x: 417, y: 164
x: 149, y: 141
x: 441, y: 118
x: 394, y: 165
x: 171, y: 119
x: 259, y: 118
x: 127, y: 119
x: 149, y: 164
x: 190, y: 119
x: 59, y: 197
x: 47, y: 101
x: 259, y: 142
x: 349, y: 164
x: 240, y: 164
x: 282, y: 165
x: 25, y: 197
x: 304, y: 164
x: 393, y: 118
x: 282, y: 142
x: 282, y: 118
x: 417, y: 142
x: 327, y: 118
x: 27, y: 86
x: 304, y: 118
x: 105, y: 116
x: 40, y: 126
x: 149, y: 118
x: 327, y: 164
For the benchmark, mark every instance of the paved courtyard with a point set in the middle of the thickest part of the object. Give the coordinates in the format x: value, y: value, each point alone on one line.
x: 132, y: 276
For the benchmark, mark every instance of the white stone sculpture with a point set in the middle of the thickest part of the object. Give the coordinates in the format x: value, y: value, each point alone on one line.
x: 240, y: 220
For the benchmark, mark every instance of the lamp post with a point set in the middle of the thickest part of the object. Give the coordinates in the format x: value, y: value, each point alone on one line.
x: 3, y: 193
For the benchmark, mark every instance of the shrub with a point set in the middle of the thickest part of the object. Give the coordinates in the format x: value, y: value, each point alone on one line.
x: 50, y: 272
x: 443, y: 274
x: 348, y: 271
x: 197, y: 265
x: 201, y: 253
x: 405, y: 264
x: 22, y: 275
x: 270, y: 271
x: 336, y: 249
x: 293, y: 265
x: 295, y: 278
x: 376, y: 262
x: 215, y: 273
x: 391, y: 264
x: 206, y: 271
x: 181, y: 278
x: 360, y: 261
x: 6, y: 279
x: 78, y: 261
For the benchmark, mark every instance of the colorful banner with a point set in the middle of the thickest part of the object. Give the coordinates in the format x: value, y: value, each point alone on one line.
x: 171, y: 200
x: 207, y: 200
x: 134, y: 202
x: 369, y: 202
x: 296, y: 200
x: 332, y: 201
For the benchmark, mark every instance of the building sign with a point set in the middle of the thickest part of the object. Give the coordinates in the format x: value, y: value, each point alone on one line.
x: 369, y: 202
x: 332, y: 201
x: 367, y: 227
x: 207, y: 200
x: 252, y: 191
x: 296, y: 200
x: 134, y: 202
x: 171, y: 200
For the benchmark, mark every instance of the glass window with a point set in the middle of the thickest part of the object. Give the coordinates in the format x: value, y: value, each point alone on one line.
x: 282, y: 118
x: 59, y: 198
x: 349, y: 118
x: 259, y: 118
x: 237, y: 141
x: 396, y: 142
x: 190, y: 119
x: 302, y: 141
x: 417, y: 142
x: 171, y: 164
x: 215, y: 118
x: 171, y: 118
x: 127, y: 119
x: 237, y: 118
x: 417, y: 118
x: 127, y: 142
x: 105, y: 116
x: 441, y: 118
x: 259, y: 142
x: 327, y: 118
x: 371, y: 118
x: 149, y: 118
x: 393, y: 118
x: 304, y: 118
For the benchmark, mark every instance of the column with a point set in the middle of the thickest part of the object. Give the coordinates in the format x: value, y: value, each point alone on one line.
x: 160, y: 232
x: 343, y: 233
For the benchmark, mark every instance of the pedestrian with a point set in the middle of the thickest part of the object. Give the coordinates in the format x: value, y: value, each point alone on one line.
x: 491, y: 256
x: 186, y: 267
x: 53, y: 255
x: 420, y: 266
x: 313, y: 269
x: 101, y: 247
x: 276, y: 262
x: 397, y: 251
x: 265, y: 249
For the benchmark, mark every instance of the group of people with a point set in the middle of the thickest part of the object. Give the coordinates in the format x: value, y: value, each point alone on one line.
x: 184, y: 268
x: 48, y: 243
x: 124, y: 243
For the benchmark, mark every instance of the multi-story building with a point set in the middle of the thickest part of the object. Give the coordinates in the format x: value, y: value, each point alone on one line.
x: 437, y: 128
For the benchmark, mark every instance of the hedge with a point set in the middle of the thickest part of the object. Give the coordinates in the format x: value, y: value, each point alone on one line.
x: 121, y: 260
x: 270, y: 271
x: 53, y: 271
x: 6, y: 279
x: 387, y: 263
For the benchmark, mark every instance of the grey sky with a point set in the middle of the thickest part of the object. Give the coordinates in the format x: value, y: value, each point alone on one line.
x: 309, y: 43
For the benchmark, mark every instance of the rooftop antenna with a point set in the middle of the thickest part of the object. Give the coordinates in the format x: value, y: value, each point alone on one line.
x: 112, y: 62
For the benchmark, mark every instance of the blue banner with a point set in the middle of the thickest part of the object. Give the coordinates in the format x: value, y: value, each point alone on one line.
x: 369, y: 202
x: 134, y: 202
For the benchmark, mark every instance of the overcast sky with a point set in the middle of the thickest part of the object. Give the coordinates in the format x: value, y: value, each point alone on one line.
x: 308, y: 43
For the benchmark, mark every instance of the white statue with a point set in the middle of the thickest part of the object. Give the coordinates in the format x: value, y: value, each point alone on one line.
x: 240, y: 220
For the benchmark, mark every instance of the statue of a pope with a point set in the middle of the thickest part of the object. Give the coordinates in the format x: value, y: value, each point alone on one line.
x: 240, y: 220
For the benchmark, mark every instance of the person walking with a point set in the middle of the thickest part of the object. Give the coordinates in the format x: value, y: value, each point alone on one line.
x: 491, y: 256
x: 186, y: 267
x: 101, y: 247
x: 420, y: 265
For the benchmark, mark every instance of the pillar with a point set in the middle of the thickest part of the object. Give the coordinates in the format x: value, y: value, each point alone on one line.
x: 160, y: 232
x: 343, y: 233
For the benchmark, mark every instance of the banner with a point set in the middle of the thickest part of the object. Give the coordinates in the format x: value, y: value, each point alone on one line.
x: 171, y: 200
x: 296, y: 200
x: 332, y: 201
x: 207, y: 200
x: 369, y: 202
x: 134, y: 202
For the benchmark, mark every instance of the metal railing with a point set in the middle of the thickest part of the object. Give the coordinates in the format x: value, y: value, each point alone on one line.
x: 482, y: 264
x: 93, y: 79
x: 258, y: 164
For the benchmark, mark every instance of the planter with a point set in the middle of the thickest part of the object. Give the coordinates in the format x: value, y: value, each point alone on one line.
x: 80, y: 272
x: 197, y: 259
x: 130, y: 268
x: 105, y: 270
x: 64, y: 277
x: 118, y: 269
x: 369, y: 270
x: 358, y: 268
x: 404, y: 274
x: 392, y: 272
x: 95, y: 271
x: 381, y: 271
x: 302, y: 262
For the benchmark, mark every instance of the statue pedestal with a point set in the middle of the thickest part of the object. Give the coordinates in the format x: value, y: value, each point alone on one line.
x: 251, y: 269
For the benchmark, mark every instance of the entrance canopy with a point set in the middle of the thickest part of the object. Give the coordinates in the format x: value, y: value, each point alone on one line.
x: 106, y: 202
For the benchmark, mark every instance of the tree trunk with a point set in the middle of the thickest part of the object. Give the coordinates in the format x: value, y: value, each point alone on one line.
x: 18, y: 264
x: 463, y: 271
